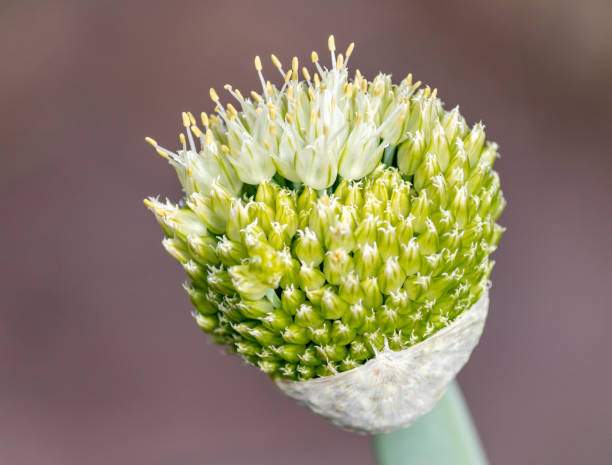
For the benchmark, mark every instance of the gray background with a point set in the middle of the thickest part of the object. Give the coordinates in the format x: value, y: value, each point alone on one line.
x: 100, y: 361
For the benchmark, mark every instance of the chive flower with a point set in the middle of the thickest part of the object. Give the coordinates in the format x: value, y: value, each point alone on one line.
x: 336, y: 233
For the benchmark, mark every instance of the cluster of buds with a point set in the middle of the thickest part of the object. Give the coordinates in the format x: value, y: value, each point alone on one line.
x: 331, y: 218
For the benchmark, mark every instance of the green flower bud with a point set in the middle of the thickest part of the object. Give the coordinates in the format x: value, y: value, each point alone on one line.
x: 391, y: 276
x: 371, y: 293
x: 387, y: 241
x: 473, y: 143
x: 266, y: 194
x: 177, y: 249
x: 295, y: 334
x: 230, y: 252
x: 350, y: 289
x: 311, y: 278
x: 238, y: 220
x: 290, y: 352
x: 308, y: 248
x: 338, y: 263
x: 367, y: 260
x: 410, y: 153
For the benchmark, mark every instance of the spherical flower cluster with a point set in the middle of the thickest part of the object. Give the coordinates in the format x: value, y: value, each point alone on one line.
x: 330, y: 218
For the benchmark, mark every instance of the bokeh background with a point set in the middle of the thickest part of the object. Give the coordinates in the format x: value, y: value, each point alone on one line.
x: 100, y: 361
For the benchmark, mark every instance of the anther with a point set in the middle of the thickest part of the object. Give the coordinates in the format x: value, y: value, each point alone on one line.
x: 213, y: 95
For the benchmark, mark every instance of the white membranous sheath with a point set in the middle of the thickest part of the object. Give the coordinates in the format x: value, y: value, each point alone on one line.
x: 336, y: 233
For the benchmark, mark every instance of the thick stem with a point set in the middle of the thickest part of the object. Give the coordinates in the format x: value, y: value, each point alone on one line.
x: 444, y: 436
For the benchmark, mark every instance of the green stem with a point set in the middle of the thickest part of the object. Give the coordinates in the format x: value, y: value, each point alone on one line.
x: 444, y: 436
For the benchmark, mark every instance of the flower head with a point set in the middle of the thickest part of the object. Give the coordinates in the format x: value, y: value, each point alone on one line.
x: 329, y: 218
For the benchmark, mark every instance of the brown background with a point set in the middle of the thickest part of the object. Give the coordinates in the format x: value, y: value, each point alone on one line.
x: 100, y: 362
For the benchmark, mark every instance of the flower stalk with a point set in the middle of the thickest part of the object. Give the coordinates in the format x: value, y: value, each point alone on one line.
x: 446, y: 435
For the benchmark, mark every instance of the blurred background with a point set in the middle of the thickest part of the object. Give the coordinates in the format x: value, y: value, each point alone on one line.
x: 100, y: 361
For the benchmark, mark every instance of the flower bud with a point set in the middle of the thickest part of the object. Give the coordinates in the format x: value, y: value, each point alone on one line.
x: 386, y: 240
x: 199, y: 300
x: 350, y: 289
x: 371, y: 293
x: 308, y: 248
x: 238, y: 219
x: 391, y: 276
x: 338, y: 263
x: 295, y: 334
x: 229, y: 252
x: 177, y: 249
x: 410, y: 153
x: 311, y: 278
x: 266, y: 193
x: 291, y: 299
x: 307, y: 316
x: 473, y: 143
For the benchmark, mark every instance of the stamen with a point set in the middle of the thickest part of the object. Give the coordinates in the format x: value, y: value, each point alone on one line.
x: 204, y: 118
x: 340, y: 61
x: 314, y: 56
x: 349, y: 50
x: 305, y: 73
x: 151, y: 141
x: 186, y: 121
x: 196, y: 131
x: 213, y: 95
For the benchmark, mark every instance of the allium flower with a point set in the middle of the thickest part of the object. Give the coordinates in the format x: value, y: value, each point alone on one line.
x: 336, y: 232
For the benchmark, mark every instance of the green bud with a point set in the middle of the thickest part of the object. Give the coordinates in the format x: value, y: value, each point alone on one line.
x: 177, y: 249
x: 308, y: 248
x: 238, y: 219
x: 309, y: 357
x: 358, y: 350
x: 286, y: 215
x: 473, y: 143
x: 387, y: 318
x: 295, y: 334
x: 307, y: 199
x: 410, y: 153
x: 350, y: 289
x: 366, y: 231
x: 371, y: 293
x: 200, y: 300
x: 207, y: 322
x: 266, y: 194
x: 338, y: 263
x: 420, y: 212
x: 265, y: 336
x: 277, y: 320
x: 387, y: 241
x: 341, y: 333
x: 290, y: 352
x: 355, y: 316
x: 311, y: 278
x: 230, y: 252
x: 332, y: 352
x: 391, y: 276
x: 291, y: 299
x: 255, y: 309
x: 307, y: 316
x: 321, y: 334
x: 332, y: 306
x: 246, y: 282
x: 367, y: 260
